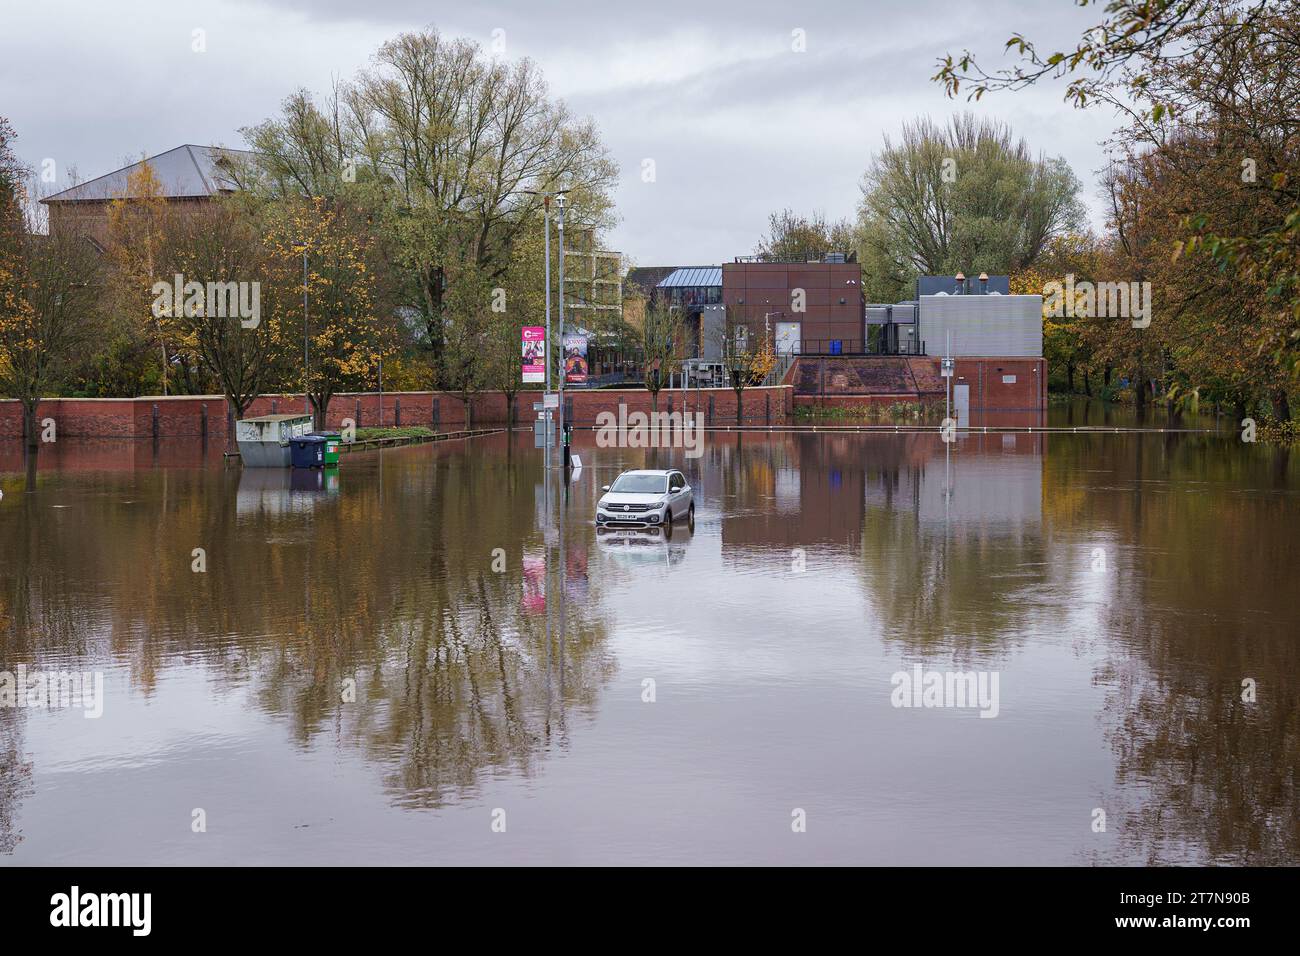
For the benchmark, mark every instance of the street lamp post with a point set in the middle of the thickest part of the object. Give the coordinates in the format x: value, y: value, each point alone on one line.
x: 546, y: 232
x: 548, y: 195
x: 546, y: 425
x: 559, y: 226
x: 306, y: 390
x: 767, y: 329
x: 558, y: 196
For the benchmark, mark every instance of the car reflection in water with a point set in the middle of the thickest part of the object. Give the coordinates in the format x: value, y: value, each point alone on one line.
x: 646, y: 546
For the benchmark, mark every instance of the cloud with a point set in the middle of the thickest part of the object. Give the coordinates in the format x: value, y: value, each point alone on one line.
x: 739, y: 123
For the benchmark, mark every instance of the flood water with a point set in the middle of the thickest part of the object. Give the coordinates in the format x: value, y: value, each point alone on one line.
x: 361, y: 672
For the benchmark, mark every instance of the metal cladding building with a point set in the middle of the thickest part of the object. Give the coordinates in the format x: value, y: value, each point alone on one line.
x: 894, y: 353
x: 989, y: 325
x: 994, y: 338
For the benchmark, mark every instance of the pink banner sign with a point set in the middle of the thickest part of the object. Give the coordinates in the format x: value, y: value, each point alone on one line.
x: 533, y: 338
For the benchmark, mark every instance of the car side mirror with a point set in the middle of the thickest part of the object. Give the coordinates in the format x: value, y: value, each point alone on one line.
x: 604, y: 487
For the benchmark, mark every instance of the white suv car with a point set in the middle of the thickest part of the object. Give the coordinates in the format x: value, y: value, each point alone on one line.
x: 641, y: 498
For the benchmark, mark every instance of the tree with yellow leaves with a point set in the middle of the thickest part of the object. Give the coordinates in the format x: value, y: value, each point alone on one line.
x: 138, y: 223
x: 1066, y: 341
x: 49, y: 294
x: 1203, y: 187
x: 764, y: 362
x: 12, y: 227
x: 344, y: 338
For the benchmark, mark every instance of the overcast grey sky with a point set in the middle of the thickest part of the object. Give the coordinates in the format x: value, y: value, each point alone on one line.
x: 737, y: 122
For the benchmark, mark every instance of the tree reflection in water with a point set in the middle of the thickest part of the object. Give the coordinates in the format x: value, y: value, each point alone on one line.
x: 1205, y: 599
x: 968, y: 554
x: 382, y: 575
x: 976, y: 554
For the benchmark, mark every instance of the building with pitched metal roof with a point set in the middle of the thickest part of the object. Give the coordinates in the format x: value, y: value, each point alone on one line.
x: 187, y: 174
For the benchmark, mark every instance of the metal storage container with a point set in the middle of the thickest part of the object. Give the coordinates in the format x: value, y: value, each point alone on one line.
x: 264, y: 441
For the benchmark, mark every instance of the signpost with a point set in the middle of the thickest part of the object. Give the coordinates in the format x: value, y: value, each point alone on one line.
x: 544, y: 427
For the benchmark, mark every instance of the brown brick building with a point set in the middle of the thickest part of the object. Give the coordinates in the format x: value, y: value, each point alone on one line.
x: 818, y: 303
x: 189, y: 176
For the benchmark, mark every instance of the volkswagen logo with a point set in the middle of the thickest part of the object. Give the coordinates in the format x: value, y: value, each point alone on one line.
x: 627, y: 507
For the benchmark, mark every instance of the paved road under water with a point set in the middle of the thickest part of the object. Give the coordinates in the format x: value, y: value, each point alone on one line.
x: 1120, y: 587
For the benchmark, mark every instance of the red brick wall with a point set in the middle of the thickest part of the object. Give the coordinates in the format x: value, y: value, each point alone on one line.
x: 121, y: 417
x: 182, y: 417
x: 990, y: 417
x: 89, y: 218
x: 858, y: 401
x: 759, y: 406
x: 989, y: 393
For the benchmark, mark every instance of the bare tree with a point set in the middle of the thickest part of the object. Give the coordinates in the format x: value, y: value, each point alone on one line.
x: 794, y: 237
x: 740, y: 354
x: 452, y: 142
x: 659, y: 334
x: 228, y: 334
x: 968, y: 195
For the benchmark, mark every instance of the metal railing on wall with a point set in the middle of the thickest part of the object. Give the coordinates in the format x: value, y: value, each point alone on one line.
x: 857, y: 347
x: 783, y: 362
x: 600, y: 381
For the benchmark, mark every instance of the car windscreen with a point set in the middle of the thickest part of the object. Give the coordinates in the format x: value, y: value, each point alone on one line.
x: 640, y: 484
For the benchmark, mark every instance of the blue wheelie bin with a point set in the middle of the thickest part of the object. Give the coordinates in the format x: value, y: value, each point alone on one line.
x: 308, y: 451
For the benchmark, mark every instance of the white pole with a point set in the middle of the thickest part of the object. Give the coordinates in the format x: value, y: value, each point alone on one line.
x: 947, y: 384
x: 306, y: 341
x: 559, y: 226
x: 546, y: 226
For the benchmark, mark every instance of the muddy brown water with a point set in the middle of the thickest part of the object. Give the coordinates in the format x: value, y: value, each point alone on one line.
x: 361, y: 672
